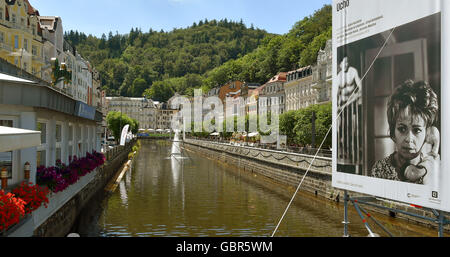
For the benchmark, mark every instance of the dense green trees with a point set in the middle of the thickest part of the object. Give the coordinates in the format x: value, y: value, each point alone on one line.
x: 116, y: 121
x: 156, y: 56
x: 207, y: 54
x: 297, y: 48
x: 297, y: 125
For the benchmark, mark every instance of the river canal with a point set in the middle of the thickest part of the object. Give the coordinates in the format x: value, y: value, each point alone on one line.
x: 196, y: 196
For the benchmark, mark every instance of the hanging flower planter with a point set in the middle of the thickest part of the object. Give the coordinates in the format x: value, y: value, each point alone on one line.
x: 33, y: 195
x: 12, y: 209
x: 58, y: 178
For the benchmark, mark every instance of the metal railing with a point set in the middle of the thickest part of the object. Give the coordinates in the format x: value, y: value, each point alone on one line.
x: 37, y: 58
x: 112, y: 153
x: 5, y: 47
x: 290, y: 149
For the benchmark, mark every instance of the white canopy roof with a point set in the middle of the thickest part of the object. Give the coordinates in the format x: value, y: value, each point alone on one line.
x: 14, y: 138
x: 7, y: 77
x: 253, y: 134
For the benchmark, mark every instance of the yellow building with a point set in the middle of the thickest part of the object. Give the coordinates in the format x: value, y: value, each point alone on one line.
x: 21, y: 36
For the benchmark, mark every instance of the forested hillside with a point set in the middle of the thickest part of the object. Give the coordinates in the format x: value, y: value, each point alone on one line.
x: 130, y: 63
x: 206, y: 54
x: 297, y: 48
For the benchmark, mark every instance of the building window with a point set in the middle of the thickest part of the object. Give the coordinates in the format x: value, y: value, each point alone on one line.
x: 13, y: 18
x: 2, y: 37
x: 70, y: 141
x: 16, y: 41
x: 34, y: 50
x: 85, y: 139
x: 58, y: 133
x: 1, y: 13
x: 41, y: 154
x: 6, y: 158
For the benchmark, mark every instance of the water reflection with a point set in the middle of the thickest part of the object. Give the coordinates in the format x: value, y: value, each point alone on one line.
x: 194, y: 196
x: 123, y: 193
x: 176, y: 169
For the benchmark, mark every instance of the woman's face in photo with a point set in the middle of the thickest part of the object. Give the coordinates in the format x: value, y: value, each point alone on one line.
x: 410, y: 133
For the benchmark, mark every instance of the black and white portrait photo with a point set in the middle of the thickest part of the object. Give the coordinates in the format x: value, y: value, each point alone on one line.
x: 388, y: 102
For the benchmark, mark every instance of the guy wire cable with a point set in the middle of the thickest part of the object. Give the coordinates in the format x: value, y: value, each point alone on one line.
x: 328, y: 132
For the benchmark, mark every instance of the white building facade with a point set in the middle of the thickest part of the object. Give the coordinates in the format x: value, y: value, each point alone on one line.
x: 68, y: 127
x: 273, y: 95
x: 139, y: 108
x: 298, y: 88
x: 323, y: 74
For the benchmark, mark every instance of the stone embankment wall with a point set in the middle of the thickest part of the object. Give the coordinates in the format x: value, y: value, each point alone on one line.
x: 56, y: 221
x: 289, y: 168
x: 283, y: 167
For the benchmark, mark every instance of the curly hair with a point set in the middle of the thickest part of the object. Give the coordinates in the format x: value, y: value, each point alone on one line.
x: 419, y: 97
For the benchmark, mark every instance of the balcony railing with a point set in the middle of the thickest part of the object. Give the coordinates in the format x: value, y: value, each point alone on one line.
x: 38, y: 59
x: 6, y: 47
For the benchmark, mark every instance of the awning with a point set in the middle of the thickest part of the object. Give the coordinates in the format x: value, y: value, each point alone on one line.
x: 214, y: 134
x: 7, y: 77
x: 14, y: 138
x: 253, y: 134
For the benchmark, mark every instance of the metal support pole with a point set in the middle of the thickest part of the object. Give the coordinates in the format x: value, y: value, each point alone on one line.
x: 346, y: 199
x: 371, y: 234
x: 376, y: 222
x: 440, y: 219
x: 441, y: 224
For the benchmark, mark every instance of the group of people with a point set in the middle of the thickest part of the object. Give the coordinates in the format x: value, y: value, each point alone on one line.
x: 412, y: 112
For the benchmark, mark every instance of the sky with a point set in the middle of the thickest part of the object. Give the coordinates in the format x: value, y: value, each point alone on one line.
x: 102, y: 16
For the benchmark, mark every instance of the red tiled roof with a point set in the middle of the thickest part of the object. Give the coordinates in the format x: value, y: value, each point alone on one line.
x: 279, y: 77
x: 31, y: 9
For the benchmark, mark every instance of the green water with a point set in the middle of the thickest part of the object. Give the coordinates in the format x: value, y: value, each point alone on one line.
x: 195, y: 196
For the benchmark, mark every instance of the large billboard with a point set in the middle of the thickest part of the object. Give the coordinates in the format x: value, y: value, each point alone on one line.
x: 390, y: 82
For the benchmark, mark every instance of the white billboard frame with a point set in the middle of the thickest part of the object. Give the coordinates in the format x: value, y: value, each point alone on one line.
x: 357, y: 22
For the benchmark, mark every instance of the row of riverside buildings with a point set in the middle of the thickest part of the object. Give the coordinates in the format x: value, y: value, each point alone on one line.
x: 291, y: 90
x: 150, y: 114
x: 67, y: 113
